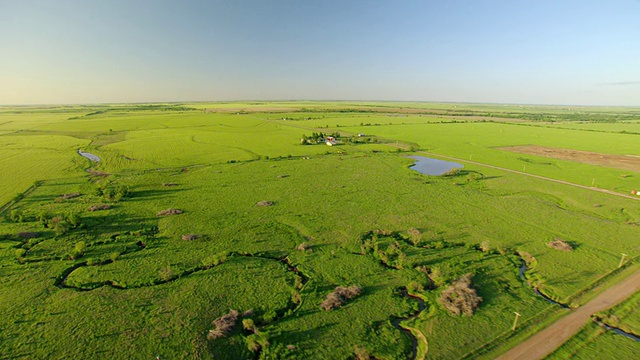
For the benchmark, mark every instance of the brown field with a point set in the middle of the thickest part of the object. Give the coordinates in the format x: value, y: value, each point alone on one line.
x: 624, y: 162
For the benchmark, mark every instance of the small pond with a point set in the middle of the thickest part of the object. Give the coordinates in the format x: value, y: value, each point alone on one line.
x: 89, y: 156
x: 429, y: 166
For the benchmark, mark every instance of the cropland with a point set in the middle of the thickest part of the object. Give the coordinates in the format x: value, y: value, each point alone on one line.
x: 298, y: 230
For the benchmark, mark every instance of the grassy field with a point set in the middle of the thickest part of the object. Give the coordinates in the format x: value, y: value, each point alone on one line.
x: 624, y: 316
x: 121, y: 281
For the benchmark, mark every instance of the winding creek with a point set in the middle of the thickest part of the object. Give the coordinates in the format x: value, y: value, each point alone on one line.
x: 397, y: 323
x: 523, y: 269
x: 619, y: 331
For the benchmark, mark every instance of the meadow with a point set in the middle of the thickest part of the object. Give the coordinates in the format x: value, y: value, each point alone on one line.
x: 268, y: 227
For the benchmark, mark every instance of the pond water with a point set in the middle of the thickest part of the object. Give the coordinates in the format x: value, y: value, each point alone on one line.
x: 430, y: 166
x: 89, y: 156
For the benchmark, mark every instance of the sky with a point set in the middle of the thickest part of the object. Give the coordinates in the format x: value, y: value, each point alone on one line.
x: 583, y: 52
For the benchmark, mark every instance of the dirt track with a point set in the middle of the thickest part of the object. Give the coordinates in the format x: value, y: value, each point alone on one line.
x: 549, y: 339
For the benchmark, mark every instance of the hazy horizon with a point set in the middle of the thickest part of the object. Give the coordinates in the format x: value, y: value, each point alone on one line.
x: 568, y: 53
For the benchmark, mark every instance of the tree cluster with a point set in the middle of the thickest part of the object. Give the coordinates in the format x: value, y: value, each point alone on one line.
x: 112, y: 193
x: 317, y: 138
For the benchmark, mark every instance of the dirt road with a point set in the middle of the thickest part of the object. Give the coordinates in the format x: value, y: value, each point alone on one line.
x: 549, y: 339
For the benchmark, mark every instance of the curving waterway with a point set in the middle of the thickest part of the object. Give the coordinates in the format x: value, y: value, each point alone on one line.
x: 396, y: 322
x: 524, y: 268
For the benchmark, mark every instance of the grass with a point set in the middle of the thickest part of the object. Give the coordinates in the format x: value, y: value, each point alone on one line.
x: 594, y: 341
x: 162, y: 293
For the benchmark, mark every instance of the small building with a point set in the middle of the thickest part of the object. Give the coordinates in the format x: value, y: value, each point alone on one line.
x: 330, y: 141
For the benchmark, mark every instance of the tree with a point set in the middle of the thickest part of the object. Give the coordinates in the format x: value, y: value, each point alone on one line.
x: 74, y: 219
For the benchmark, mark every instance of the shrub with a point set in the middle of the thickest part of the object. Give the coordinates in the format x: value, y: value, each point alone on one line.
x: 560, y: 244
x: 269, y: 316
x: 435, y: 278
x: 414, y: 287
x: 20, y: 253
x: 361, y: 353
x: 303, y: 247
x: 16, y: 216
x: 78, y: 250
x: 69, y: 196
x: 415, y: 236
x: 74, y: 219
x: 17, y: 197
x: 43, y: 217
x: 168, y: 212
x: 223, y: 325
x: 59, y: 225
x: 460, y: 298
x: 99, y: 207
x: 249, y: 325
x: 339, y: 296
x: 166, y: 273
x: 452, y: 172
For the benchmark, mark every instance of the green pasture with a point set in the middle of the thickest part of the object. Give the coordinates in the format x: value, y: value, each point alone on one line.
x: 480, y: 142
x: 121, y: 282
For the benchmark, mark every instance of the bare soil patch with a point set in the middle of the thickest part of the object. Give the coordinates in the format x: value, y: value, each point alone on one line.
x: 99, y: 207
x: 98, y: 173
x: 169, y: 212
x: 560, y: 244
x: 624, y: 162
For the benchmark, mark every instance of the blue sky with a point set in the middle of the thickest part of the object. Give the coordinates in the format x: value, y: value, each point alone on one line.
x: 543, y: 52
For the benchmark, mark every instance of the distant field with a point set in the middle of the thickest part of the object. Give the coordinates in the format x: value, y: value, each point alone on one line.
x: 269, y: 227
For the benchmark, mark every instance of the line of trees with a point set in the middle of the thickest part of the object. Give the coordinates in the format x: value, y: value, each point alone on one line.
x: 317, y: 138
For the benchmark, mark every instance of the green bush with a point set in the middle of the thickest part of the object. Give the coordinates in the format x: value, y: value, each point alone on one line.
x: 16, y: 216
x: 78, y: 250
x: 74, y: 219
